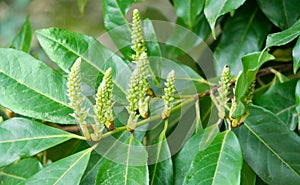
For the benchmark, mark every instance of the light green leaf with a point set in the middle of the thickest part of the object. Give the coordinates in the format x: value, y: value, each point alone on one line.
x: 115, y: 22
x: 297, y: 94
x: 245, y: 32
x: 269, y: 147
x: 188, y: 11
x: 197, y: 143
x: 20, y: 137
x: 64, y: 47
x: 220, y: 163
x: 22, y: 40
x: 282, y: 13
x: 285, y: 106
x: 68, y: 170
x: 215, y: 8
x: 81, y: 5
x: 31, y: 88
x: 248, y: 176
x: 125, y: 173
x: 296, y: 56
x: 19, y: 171
x: 284, y: 37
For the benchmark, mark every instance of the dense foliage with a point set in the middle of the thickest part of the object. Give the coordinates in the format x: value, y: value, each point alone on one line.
x: 150, y: 112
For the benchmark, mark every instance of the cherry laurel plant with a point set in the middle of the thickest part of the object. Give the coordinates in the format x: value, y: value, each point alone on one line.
x: 152, y: 113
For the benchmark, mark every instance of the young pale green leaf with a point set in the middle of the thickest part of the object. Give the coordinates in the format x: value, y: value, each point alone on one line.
x: 284, y: 37
x: 19, y: 171
x: 220, y: 163
x: 188, y: 11
x: 126, y: 173
x: 248, y: 177
x: 215, y: 8
x: 31, y: 88
x: 297, y: 94
x: 20, y: 137
x: 22, y: 40
x: 115, y: 22
x: 282, y: 13
x: 197, y: 143
x: 68, y: 170
x: 250, y: 27
x: 285, y: 106
x: 64, y: 47
x: 269, y: 147
x: 296, y: 56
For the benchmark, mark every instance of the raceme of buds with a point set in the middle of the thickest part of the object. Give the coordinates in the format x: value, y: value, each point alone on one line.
x: 137, y: 35
x: 104, y: 104
x: 169, y: 91
x: 249, y: 94
x: 224, y: 90
x: 76, y: 98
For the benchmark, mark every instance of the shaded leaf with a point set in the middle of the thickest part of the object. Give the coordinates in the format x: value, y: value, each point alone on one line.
x: 188, y: 11
x: 215, y: 8
x: 248, y: 177
x: 197, y: 143
x: 20, y: 137
x: 282, y: 13
x: 64, y: 47
x: 125, y: 172
x: 22, y: 40
x: 35, y: 90
x: 250, y: 27
x: 297, y: 94
x: 280, y: 99
x: 284, y: 37
x: 68, y: 170
x: 219, y: 163
x: 296, y: 56
x: 269, y: 147
x: 19, y: 171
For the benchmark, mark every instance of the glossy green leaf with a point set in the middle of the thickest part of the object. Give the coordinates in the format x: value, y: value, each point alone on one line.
x: 213, y: 9
x: 297, y: 94
x: 68, y: 170
x: 248, y: 177
x: 31, y: 88
x: 64, y: 47
x: 220, y: 163
x: 161, y: 171
x: 81, y: 5
x: 269, y: 147
x: 19, y: 171
x: 296, y: 56
x: 197, y: 143
x: 126, y: 173
x: 115, y: 22
x: 250, y: 27
x: 90, y: 174
x: 282, y: 13
x: 20, y: 137
x: 284, y: 37
x: 188, y: 11
x: 280, y: 99
x: 22, y: 40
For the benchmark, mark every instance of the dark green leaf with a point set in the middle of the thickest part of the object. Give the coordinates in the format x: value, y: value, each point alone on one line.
x: 126, y: 172
x: 296, y: 56
x: 282, y: 13
x: 65, y: 171
x: 248, y: 176
x: 284, y: 37
x: 90, y: 174
x: 81, y: 5
x: 31, y: 88
x: 21, y: 137
x: 64, y: 47
x: 285, y: 106
x: 270, y: 148
x: 297, y: 94
x: 215, y: 8
x: 188, y: 11
x: 115, y: 22
x: 195, y: 144
x: 219, y: 163
x: 19, y: 171
x: 250, y: 27
x: 22, y: 40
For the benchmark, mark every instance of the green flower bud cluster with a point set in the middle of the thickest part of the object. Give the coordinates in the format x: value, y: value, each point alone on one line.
x: 249, y: 94
x: 76, y: 98
x: 168, y: 97
x: 223, y: 90
x: 137, y: 35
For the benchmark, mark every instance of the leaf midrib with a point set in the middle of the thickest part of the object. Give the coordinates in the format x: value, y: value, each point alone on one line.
x: 12, y: 176
x: 38, y: 137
